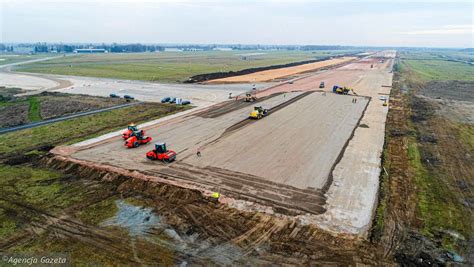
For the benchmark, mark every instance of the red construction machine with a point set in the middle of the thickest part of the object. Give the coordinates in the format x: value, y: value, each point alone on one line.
x: 161, y: 153
x: 134, y: 137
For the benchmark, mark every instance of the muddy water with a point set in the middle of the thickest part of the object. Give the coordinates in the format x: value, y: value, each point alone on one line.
x: 142, y: 222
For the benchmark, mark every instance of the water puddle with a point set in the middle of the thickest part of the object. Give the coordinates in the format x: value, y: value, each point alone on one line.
x: 142, y: 222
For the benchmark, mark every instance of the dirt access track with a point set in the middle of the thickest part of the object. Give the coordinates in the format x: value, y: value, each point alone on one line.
x: 316, y: 155
x: 269, y: 75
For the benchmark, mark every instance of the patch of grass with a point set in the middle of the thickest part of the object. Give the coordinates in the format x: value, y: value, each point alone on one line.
x: 34, y: 109
x: 169, y: 66
x: 12, y: 58
x: 7, y: 224
x: 98, y: 212
x: 437, y: 206
x: 35, y: 186
x: 78, y: 129
x: 466, y: 134
x: 441, y: 70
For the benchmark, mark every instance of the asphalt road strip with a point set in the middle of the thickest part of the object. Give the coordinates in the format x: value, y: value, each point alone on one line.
x: 72, y: 116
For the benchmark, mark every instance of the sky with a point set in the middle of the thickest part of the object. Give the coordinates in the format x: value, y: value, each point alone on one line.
x: 298, y: 22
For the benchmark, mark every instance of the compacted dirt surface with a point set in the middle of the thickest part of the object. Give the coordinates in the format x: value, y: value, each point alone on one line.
x: 297, y: 186
x: 296, y: 146
x: 308, y: 157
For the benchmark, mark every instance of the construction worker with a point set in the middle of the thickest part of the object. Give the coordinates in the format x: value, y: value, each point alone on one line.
x: 230, y: 95
x: 198, y: 153
x: 215, y: 197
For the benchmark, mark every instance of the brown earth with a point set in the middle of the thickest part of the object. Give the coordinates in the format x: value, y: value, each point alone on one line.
x: 401, y: 230
x: 268, y: 75
x: 56, y: 104
x: 14, y: 114
x: 220, y: 234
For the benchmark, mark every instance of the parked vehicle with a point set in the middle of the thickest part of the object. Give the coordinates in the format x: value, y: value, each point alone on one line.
x: 166, y: 99
x: 114, y: 96
x: 186, y: 102
x: 128, y: 97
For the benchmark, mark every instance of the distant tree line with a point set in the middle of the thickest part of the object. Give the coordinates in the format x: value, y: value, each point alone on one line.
x: 6, y: 48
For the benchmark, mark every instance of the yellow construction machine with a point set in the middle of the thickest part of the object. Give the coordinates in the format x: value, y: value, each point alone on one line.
x: 258, y: 113
x: 343, y: 90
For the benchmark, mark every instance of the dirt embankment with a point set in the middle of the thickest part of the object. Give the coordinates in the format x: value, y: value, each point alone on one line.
x: 241, y: 236
x: 403, y: 227
x: 397, y: 199
x: 220, y: 75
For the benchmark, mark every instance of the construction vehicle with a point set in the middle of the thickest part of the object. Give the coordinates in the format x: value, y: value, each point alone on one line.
x: 130, y: 129
x: 249, y: 97
x: 385, y: 103
x: 258, y: 113
x: 342, y: 90
x: 134, y: 137
x: 161, y: 153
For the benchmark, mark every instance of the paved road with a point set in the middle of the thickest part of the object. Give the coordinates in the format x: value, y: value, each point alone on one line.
x: 40, y: 123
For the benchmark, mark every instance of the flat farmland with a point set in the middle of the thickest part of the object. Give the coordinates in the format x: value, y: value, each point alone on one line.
x: 169, y: 66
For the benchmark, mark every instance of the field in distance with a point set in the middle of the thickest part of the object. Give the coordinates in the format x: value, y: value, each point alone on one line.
x: 11, y: 58
x: 170, y: 66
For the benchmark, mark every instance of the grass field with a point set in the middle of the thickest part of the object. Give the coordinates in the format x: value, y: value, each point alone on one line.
x: 31, y: 194
x: 440, y: 171
x: 441, y: 69
x: 81, y: 128
x: 439, y: 55
x: 169, y: 66
x: 8, y: 59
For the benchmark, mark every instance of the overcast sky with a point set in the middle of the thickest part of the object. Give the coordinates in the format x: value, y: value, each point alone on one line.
x: 374, y: 23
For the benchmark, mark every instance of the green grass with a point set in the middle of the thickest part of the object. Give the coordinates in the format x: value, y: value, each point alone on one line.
x: 81, y: 128
x: 34, y: 109
x: 12, y: 58
x: 437, y: 206
x: 98, y: 212
x: 168, y: 66
x: 382, y: 205
x: 23, y: 184
x: 441, y: 70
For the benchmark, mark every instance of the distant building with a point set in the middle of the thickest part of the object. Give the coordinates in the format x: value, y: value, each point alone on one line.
x: 89, y: 51
x: 173, y: 49
x: 222, y: 49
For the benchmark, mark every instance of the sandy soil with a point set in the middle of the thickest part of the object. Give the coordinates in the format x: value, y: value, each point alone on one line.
x: 268, y: 75
x: 296, y: 146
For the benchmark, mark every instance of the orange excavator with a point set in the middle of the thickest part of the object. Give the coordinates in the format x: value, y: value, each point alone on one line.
x: 134, y: 137
x: 161, y: 153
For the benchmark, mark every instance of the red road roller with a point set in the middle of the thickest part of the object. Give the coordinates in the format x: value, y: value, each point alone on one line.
x: 161, y: 153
